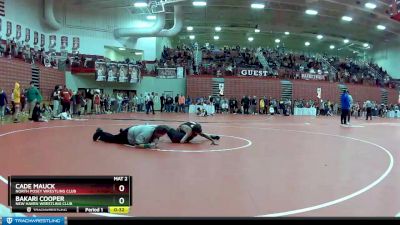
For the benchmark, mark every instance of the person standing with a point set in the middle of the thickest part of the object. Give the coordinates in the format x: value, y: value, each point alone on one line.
x: 162, y: 101
x: 351, y: 108
x: 23, y: 100
x: 65, y: 99
x: 97, y: 102
x: 140, y: 103
x: 89, y: 100
x: 32, y: 95
x: 17, y: 101
x: 246, y: 104
x: 3, y: 103
x: 368, y: 105
x: 345, y: 100
x: 168, y: 104
x: 56, y: 100
x: 157, y: 102
x: 181, y: 102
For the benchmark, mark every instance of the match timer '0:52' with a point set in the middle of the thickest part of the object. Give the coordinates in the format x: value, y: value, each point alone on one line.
x: 118, y: 209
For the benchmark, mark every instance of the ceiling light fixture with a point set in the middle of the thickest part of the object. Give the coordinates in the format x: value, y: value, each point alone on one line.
x: 347, y: 18
x: 370, y: 5
x: 250, y: 39
x: 138, y: 53
x: 381, y: 27
x: 346, y: 41
x: 319, y: 36
x: 311, y: 12
x: 277, y: 41
x: 287, y: 33
x: 216, y: 37
x: 332, y: 47
x: 218, y: 29
x: 257, y: 30
x: 257, y: 6
x: 199, y: 3
x: 122, y: 49
x: 140, y: 4
x: 307, y: 43
x: 365, y: 45
x: 192, y: 37
x: 189, y: 28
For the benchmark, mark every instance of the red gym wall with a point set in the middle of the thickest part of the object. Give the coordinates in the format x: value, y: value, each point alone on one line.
x: 12, y: 70
x: 240, y: 86
x: 270, y: 87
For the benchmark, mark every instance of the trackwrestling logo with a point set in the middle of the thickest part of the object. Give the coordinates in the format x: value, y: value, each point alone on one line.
x: 33, y: 220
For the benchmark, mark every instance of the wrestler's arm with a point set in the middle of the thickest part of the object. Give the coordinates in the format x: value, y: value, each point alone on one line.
x: 140, y: 140
x: 208, y: 137
x: 188, y: 132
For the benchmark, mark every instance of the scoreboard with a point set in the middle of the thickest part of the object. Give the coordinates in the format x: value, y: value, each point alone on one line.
x: 70, y: 194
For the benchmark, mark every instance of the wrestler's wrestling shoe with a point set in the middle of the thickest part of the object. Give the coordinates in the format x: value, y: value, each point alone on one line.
x: 96, y: 135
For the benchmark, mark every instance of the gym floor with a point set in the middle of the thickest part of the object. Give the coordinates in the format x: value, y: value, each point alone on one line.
x: 263, y: 165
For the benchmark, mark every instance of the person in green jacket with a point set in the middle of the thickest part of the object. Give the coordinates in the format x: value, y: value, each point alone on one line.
x: 33, y: 96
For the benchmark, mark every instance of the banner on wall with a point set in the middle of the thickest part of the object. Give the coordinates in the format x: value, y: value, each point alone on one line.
x: 64, y: 42
x: 309, y: 76
x: 112, y: 72
x: 75, y: 43
x: 253, y: 72
x: 101, y: 71
x: 52, y: 41
x: 42, y: 40
x: 123, y: 73
x: 18, y: 32
x: 319, y: 92
x: 167, y: 73
x: 9, y: 28
x: 134, y: 74
x: 35, y: 38
x: 27, y: 34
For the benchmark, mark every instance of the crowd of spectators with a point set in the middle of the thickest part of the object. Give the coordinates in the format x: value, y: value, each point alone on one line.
x: 277, y: 61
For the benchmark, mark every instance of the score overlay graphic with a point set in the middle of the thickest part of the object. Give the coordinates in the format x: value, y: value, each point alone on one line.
x: 70, y: 194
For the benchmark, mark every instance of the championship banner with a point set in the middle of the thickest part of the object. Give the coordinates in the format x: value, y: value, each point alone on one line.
x: 35, y: 38
x: 252, y: 72
x: 27, y: 34
x: 134, y: 74
x: 123, y: 73
x: 319, y: 92
x: 112, y: 72
x: 309, y: 76
x: 9, y: 28
x: 53, y: 41
x: 42, y: 40
x: 101, y: 71
x: 75, y: 43
x: 167, y: 73
x: 18, y: 32
x: 64, y: 42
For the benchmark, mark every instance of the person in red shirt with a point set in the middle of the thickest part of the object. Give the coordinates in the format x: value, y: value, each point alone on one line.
x: 65, y: 96
x: 97, y: 102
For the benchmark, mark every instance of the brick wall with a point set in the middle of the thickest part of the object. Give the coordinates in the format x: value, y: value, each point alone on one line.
x: 302, y: 89
x: 199, y: 86
x: 14, y: 70
x: 393, y: 96
x: 240, y: 86
x: 49, y: 78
